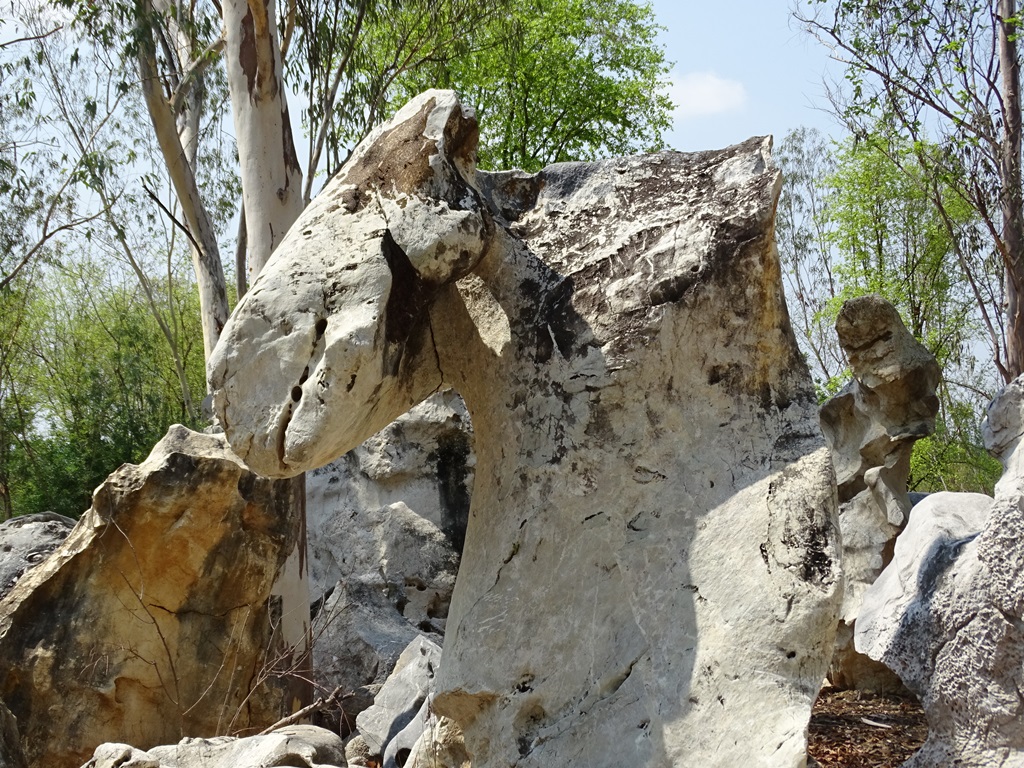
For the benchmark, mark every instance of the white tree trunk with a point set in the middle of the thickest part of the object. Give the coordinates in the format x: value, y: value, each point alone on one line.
x: 272, y: 201
x: 206, y: 253
x: 271, y: 177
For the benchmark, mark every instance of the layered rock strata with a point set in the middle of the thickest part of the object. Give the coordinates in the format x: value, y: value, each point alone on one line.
x: 650, y: 571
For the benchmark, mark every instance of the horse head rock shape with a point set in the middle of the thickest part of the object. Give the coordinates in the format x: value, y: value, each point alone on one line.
x: 649, y: 575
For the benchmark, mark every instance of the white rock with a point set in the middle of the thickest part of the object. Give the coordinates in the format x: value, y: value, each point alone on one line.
x: 650, y: 574
x: 871, y: 426
x: 948, y: 614
x: 302, y: 746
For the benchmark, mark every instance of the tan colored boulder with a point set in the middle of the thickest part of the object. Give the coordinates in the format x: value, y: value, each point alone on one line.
x: 871, y: 426
x: 154, y: 619
x: 650, y: 574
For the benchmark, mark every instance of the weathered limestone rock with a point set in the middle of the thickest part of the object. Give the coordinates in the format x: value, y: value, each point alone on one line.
x: 11, y: 753
x: 153, y: 619
x: 396, y: 550
x: 650, y: 573
x: 947, y: 615
x: 386, y: 523
x: 423, y: 460
x: 302, y: 746
x: 401, y: 702
x: 871, y: 427
x: 26, y: 541
x: 359, y: 635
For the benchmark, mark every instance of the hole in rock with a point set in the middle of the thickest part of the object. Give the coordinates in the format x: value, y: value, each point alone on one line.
x: 402, y: 756
x: 320, y: 327
x: 296, y: 393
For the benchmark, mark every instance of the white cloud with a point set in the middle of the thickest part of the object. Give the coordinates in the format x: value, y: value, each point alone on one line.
x: 698, y: 94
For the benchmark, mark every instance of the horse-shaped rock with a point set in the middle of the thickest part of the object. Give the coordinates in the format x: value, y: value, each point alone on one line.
x: 650, y: 571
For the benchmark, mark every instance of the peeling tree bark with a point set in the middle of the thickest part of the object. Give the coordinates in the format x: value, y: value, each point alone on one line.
x: 271, y: 176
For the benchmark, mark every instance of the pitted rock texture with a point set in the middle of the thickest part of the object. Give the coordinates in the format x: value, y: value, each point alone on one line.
x: 26, y: 541
x: 154, y: 618
x: 947, y: 615
x: 650, y: 575
x: 301, y: 746
x: 871, y: 426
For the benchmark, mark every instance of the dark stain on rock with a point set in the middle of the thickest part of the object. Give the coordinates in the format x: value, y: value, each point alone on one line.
x: 409, y: 296
x: 453, y: 483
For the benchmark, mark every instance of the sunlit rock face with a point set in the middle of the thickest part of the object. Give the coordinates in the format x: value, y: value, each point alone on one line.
x: 947, y: 615
x: 154, y: 619
x: 871, y: 426
x: 650, y: 573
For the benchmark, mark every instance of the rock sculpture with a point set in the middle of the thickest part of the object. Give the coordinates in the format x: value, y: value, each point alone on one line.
x: 871, y: 426
x: 948, y: 613
x: 302, y: 746
x: 26, y: 541
x: 154, y: 618
x: 650, y: 569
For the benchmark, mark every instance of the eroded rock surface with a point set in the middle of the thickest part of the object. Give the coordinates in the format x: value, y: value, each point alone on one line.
x: 26, y: 541
x: 947, y: 615
x: 871, y: 427
x: 650, y: 572
x: 300, y: 746
x: 154, y: 618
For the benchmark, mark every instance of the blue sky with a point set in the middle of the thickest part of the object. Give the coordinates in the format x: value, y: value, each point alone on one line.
x: 742, y: 69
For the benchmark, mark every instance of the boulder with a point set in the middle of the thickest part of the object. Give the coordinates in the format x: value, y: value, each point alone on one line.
x: 154, y: 619
x: 26, y: 541
x: 947, y: 615
x: 400, y: 709
x: 650, y: 575
x: 359, y: 635
x: 301, y: 746
x: 871, y: 426
x: 11, y: 753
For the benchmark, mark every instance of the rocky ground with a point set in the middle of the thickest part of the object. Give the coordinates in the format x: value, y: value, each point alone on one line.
x: 854, y: 729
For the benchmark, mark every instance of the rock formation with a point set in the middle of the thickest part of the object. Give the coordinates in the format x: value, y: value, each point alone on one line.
x: 424, y: 460
x: 650, y: 571
x: 871, y: 426
x: 301, y: 746
x: 384, y: 522
x: 947, y: 615
x: 154, y: 618
x: 26, y: 541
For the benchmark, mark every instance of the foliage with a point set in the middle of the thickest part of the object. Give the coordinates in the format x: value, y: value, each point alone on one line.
x: 944, y: 76
x: 87, y: 385
x: 559, y: 80
x: 551, y: 80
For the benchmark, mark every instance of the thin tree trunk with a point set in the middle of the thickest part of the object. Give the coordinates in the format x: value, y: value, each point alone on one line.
x: 206, y: 255
x: 271, y: 202
x: 1010, y: 187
